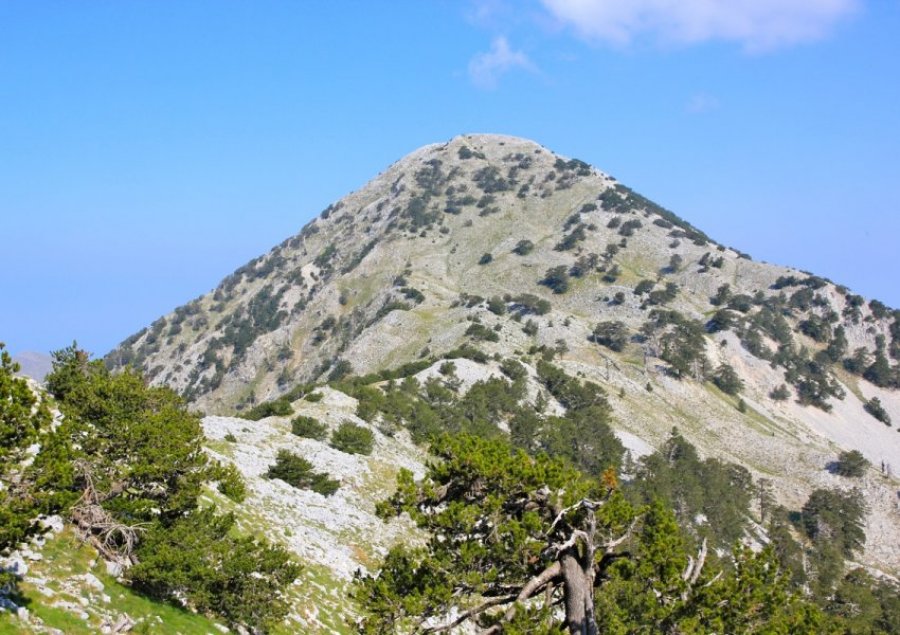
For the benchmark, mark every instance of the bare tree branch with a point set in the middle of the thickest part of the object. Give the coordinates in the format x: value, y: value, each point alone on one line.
x: 592, y: 505
x: 531, y: 587
x: 701, y: 560
x: 471, y: 613
x: 692, y: 571
x: 612, y: 544
x: 577, y: 535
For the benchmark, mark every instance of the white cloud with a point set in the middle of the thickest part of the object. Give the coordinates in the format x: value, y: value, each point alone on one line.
x: 488, y: 13
x: 486, y: 68
x: 701, y: 103
x: 758, y: 25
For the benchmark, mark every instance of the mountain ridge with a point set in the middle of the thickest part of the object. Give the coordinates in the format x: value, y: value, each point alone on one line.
x: 470, y: 243
x: 413, y: 160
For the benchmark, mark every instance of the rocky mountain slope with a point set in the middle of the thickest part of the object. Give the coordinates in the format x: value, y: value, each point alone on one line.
x: 68, y: 587
x: 498, y: 243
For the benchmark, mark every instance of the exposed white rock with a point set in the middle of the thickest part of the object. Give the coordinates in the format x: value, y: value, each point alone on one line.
x: 54, y: 524
x: 341, y: 531
x: 92, y: 581
x: 14, y: 564
x: 34, y: 556
x: 113, y: 568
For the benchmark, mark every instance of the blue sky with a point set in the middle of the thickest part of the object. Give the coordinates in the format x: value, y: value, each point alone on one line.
x: 147, y: 149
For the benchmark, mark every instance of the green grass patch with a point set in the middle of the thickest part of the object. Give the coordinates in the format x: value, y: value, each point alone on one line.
x: 753, y: 417
x: 850, y: 381
x: 64, y: 558
x: 52, y: 617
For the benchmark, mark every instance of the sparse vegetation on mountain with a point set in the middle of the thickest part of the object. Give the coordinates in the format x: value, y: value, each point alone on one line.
x: 584, y: 265
x: 466, y: 153
x: 858, y: 362
x: 557, y: 279
x: 727, y: 380
x: 683, y: 347
x: 627, y: 228
x: 722, y: 320
x: 810, y: 377
x: 851, y: 463
x: 352, y: 439
x: 341, y: 369
x: 723, y: 295
x: 513, y: 369
x: 229, y: 481
x: 662, y: 296
x: 571, y: 239
x: 309, y: 428
x: 675, y: 262
x: 612, y: 334
x: 780, y: 393
x: 496, y: 305
x: 816, y: 328
x: 837, y: 346
x: 644, y: 286
x: 528, y: 303
x: 489, y: 180
x: 873, y: 407
x: 881, y: 373
x: 480, y: 332
x: 275, y: 408
x: 296, y: 471
x: 413, y: 294
x: 612, y: 274
x: 833, y: 521
x: 523, y: 247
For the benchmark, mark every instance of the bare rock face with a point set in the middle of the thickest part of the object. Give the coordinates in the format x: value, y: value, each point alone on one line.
x: 334, y: 536
x: 499, y: 243
x: 340, y: 531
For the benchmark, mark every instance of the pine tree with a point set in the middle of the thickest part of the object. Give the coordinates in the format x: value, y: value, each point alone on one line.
x: 727, y: 380
x: 22, y: 417
x: 126, y: 467
x: 505, y: 527
x: 514, y: 537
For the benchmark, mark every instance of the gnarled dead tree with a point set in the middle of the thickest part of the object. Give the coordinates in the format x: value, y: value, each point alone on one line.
x: 114, y: 540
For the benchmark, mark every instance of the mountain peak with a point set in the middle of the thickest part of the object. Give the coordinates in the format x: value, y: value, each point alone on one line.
x: 493, y: 247
x: 489, y: 147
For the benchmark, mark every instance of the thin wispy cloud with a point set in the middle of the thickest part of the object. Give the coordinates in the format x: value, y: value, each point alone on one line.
x: 488, y: 13
x: 485, y: 69
x: 757, y: 25
x: 701, y: 103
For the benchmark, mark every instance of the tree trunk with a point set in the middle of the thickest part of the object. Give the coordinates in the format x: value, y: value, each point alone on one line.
x: 578, y: 591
